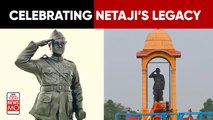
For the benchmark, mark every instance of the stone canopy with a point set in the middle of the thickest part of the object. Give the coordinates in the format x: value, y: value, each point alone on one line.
x: 158, y: 40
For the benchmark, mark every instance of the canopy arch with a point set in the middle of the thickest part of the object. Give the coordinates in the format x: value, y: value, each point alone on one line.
x: 158, y: 45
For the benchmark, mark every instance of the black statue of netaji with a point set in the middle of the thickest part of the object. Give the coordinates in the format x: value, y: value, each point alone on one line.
x: 159, y: 84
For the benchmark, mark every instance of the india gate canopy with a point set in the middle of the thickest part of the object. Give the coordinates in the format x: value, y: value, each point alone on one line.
x: 158, y: 45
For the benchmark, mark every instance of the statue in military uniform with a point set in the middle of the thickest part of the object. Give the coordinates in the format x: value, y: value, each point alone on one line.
x: 159, y: 85
x: 60, y: 92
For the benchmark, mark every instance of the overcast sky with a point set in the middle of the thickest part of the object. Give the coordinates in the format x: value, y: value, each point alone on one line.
x: 122, y: 70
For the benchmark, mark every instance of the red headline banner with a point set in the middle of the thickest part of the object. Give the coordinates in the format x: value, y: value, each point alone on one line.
x: 153, y: 14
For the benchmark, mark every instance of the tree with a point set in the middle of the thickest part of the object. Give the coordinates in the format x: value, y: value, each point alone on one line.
x: 111, y: 108
x: 207, y: 107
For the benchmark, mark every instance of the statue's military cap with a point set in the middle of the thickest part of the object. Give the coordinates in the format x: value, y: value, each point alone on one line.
x: 57, y: 35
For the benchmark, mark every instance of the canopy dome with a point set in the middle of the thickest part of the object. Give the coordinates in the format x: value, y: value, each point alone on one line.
x: 158, y: 40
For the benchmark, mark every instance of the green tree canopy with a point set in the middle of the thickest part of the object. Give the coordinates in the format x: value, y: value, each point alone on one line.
x: 208, y: 106
x: 111, y: 108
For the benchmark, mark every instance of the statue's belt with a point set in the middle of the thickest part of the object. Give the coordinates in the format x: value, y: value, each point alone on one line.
x: 55, y: 88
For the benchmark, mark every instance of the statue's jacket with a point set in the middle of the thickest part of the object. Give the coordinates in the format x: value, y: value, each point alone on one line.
x: 60, y: 90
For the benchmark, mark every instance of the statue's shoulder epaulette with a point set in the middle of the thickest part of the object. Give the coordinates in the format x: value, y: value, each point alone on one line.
x: 69, y: 61
x: 44, y: 57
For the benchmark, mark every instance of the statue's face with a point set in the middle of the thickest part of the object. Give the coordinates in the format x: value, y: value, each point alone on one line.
x: 158, y: 70
x: 58, y: 46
